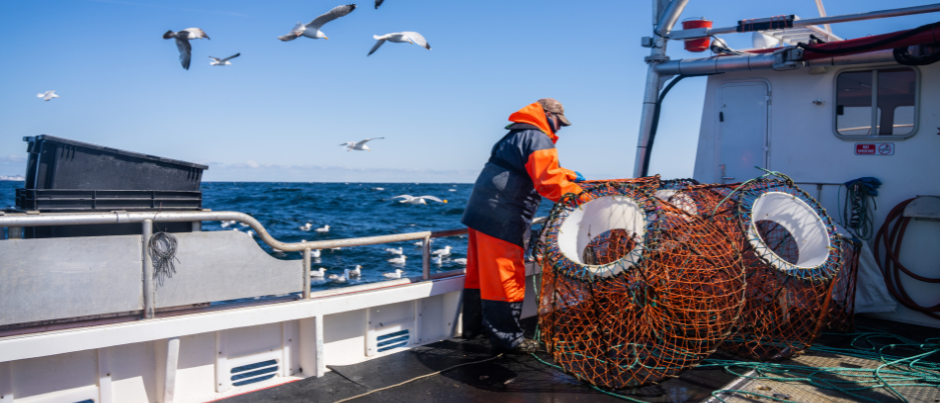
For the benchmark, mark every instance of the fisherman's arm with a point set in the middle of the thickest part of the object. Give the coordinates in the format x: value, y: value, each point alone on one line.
x: 550, y: 180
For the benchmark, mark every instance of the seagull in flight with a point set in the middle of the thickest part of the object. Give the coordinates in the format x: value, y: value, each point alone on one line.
x: 223, y: 62
x: 417, y: 199
x: 378, y: 3
x: 182, y: 42
x: 413, y: 38
x: 48, y: 95
x: 312, y: 30
x: 360, y: 146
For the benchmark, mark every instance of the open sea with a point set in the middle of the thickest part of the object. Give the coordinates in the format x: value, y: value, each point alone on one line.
x: 350, y: 209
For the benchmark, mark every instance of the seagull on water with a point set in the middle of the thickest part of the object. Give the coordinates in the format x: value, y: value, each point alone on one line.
x: 325, y: 228
x: 442, y: 252
x: 306, y: 227
x: 340, y: 279
x: 360, y: 146
x: 396, y: 274
x: 357, y: 272
x: 226, y: 224
x: 46, y: 96
x: 421, y: 243
x: 413, y: 38
x: 223, y: 62
x: 394, y: 251
x: 436, y: 259
x: 398, y: 260
x: 417, y: 199
x: 318, y: 273
x: 251, y: 233
x: 312, y: 30
x: 182, y: 43
x: 461, y: 260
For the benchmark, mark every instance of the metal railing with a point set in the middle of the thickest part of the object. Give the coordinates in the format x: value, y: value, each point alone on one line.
x: 16, y: 221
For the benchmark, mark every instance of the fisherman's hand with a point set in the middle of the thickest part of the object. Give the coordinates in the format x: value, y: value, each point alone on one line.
x: 578, y: 177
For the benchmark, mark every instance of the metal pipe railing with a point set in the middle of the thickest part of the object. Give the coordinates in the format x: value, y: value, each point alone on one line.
x: 147, y: 220
x: 703, y: 32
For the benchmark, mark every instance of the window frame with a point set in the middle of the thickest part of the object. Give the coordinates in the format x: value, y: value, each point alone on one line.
x: 874, y: 107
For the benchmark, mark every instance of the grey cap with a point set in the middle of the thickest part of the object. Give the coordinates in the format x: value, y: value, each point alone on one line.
x: 553, y: 106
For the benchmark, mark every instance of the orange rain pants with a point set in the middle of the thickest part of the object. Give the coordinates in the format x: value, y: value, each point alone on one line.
x: 494, y: 290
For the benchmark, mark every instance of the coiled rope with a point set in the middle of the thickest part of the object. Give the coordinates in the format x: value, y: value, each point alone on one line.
x: 859, y: 205
x: 892, y: 237
x: 163, y: 253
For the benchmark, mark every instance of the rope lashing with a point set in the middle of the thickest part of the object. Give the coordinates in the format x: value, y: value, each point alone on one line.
x: 749, y: 181
x: 163, y: 253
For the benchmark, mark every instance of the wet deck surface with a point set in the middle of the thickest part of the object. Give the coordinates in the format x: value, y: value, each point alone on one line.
x: 525, y: 379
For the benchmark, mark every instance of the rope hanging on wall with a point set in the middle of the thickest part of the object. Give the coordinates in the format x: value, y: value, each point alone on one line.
x: 163, y: 253
x: 634, y: 290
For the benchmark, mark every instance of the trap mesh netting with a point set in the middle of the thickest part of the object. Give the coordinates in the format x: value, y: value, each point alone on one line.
x: 842, y: 305
x: 634, y: 290
x: 791, y: 258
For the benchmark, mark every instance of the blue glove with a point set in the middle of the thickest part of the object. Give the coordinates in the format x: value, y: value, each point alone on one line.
x: 579, y: 178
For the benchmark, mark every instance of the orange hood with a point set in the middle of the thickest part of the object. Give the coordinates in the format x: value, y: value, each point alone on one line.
x: 534, y: 115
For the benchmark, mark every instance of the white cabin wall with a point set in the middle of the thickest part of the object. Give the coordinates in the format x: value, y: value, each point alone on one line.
x: 803, y: 146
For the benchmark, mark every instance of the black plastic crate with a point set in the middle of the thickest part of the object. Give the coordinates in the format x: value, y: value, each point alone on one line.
x: 57, y: 163
x: 61, y: 200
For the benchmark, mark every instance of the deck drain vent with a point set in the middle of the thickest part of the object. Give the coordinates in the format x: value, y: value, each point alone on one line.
x: 393, y: 340
x: 251, y: 373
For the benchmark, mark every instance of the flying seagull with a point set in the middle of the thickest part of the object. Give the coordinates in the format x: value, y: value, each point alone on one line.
x: 417, y: 199
x: 46, y: 96
x: 378, y: 3
x: 223, y: 62
x: 312, y: 30
x: 400, y: 37
x: 360, y: 146
x: 182, y: 42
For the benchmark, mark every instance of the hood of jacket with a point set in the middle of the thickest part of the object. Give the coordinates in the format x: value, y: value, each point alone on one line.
x: 534, y: 115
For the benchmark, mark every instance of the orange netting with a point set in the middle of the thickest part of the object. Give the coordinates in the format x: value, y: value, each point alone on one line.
x: 787, y: 300
x: 640, y: 302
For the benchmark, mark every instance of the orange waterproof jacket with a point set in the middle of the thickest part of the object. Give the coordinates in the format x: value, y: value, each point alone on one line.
x: 523, y: 166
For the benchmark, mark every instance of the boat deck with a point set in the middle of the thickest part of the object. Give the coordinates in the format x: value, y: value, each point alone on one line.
x: 525, y: 379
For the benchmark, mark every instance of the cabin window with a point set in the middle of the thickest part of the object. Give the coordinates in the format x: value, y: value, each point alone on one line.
x: 884, y: 99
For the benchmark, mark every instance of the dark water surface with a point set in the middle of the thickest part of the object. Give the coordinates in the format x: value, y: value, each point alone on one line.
x: 351, y: 210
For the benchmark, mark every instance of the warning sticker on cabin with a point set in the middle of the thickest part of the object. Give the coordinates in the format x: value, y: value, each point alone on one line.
x: 874, y: 149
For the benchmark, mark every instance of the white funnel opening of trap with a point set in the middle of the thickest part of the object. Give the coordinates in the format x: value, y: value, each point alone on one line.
x: 595, y: 218
x: 807, y: 228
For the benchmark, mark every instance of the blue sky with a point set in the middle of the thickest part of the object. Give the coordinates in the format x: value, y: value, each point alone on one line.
x: 280, y: 111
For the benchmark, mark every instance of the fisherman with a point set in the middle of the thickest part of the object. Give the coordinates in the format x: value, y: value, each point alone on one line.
x: 522, y: 168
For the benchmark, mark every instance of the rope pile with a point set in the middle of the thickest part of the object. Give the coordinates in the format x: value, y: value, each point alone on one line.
x: 163, y: 253
x: 640, y: 302
x: 890, y: 372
